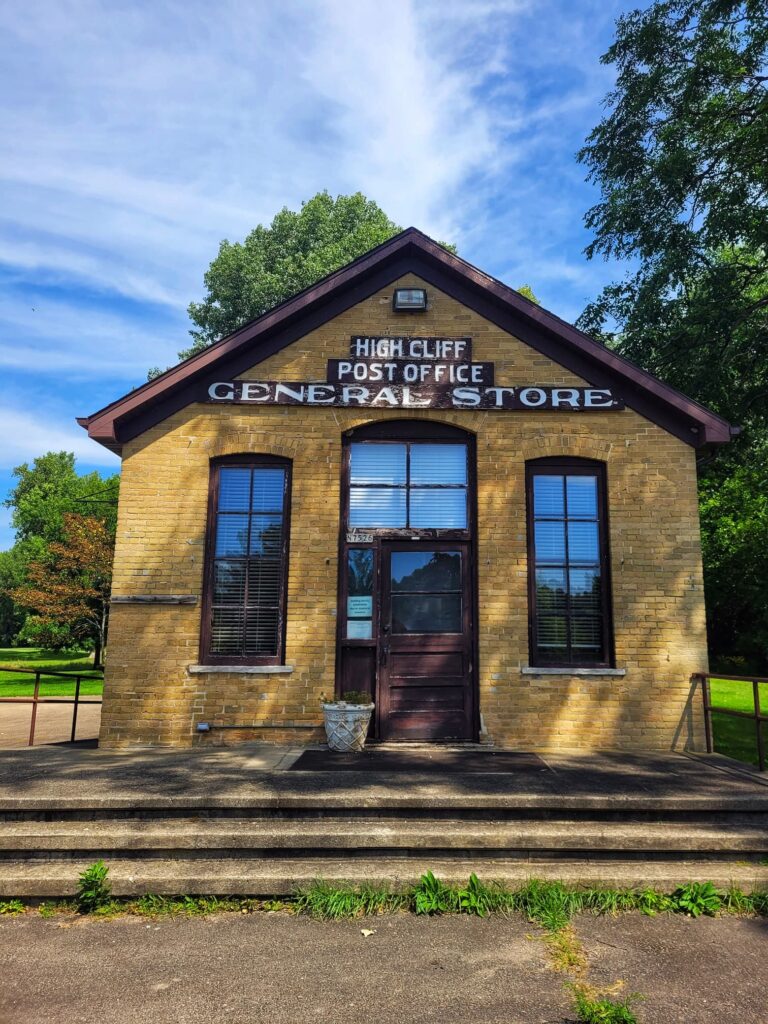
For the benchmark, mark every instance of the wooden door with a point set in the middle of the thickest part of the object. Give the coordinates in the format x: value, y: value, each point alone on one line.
x: 425, y: 642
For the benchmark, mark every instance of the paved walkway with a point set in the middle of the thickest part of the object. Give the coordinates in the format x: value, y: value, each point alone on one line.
x: 278, y: 969
x: 53, y: 724
x: 66, y: 777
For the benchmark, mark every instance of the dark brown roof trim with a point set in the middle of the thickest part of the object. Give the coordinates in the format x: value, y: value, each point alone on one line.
x: 409, y: 252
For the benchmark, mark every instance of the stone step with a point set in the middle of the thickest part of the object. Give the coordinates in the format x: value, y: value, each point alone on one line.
x: 616, y: 811
x: 686, y: 789
x: 254, y: 877
x: 576, y: 837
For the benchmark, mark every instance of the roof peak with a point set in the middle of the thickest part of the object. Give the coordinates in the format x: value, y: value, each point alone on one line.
x: 411, y: 250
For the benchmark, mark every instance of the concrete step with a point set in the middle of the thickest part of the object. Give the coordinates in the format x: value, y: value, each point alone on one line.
x: 254, y: 877
x: 200, y: 836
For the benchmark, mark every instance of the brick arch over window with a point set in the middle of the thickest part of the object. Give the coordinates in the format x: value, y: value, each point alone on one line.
x: 412, y: 429
x: 566, y: 445
x: 246, y: 560
x: 570, y: 619
x: 246, y: 443
x: 419, y: 420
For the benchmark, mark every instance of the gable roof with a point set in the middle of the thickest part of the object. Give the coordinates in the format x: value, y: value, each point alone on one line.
x: 411, y: 251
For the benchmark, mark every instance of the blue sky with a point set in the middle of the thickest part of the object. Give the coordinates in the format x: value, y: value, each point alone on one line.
x: 139, y: 135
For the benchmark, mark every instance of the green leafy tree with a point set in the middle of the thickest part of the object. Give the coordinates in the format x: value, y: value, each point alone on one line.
x: 50, y: 488
x: 12, y: 567
x: 297, y: 249
x: 526, y: 291
x: 734, y: 520
x: 70, y: 589
x: 681, y: 163
x: 45, y: 493
x: 680, y: 160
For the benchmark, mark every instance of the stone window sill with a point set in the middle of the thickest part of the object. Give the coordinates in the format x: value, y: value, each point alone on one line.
x: 242, y: 670
x: 531, y: 670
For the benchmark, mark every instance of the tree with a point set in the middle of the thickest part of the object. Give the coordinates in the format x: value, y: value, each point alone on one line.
x: 681, y: 163
x: 297, y: 249
x: 44, y: 494
x: 51, y: 487
x: 734, y: 519
x: 12, y: 572
x: 71, y: 587
x: 680, y: 159
x: 526, y: 291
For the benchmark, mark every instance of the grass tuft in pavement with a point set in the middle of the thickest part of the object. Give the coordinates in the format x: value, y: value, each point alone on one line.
x: 11, y: 907
x: 566, y: 953
x: 595, y: 1008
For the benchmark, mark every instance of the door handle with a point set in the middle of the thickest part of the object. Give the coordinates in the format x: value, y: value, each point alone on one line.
x: 384, y: 647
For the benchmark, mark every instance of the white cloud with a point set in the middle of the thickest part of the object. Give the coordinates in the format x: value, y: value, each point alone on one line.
x: 139, y: 135
x: 26, y: 436
x: 58, y: 338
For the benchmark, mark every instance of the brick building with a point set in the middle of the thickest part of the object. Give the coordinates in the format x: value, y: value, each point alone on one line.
x: 409, y: 480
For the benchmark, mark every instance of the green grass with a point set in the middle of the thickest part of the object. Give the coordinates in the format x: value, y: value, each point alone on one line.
x: 17, y: 685
x: 735, y: 737
x: 551, y: 905
x: 11, y: 907
x: 594, y: 1008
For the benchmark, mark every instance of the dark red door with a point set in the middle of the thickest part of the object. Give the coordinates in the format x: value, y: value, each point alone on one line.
x: 425, y: 644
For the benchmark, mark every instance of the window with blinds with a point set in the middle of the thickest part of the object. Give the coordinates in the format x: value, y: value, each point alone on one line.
x: 247, y: 562
x: 410, y: 485
x: 570, y: 613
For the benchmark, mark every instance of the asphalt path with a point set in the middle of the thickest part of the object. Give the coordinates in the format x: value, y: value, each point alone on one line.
x: 279, y: 969
x: 53, y: 723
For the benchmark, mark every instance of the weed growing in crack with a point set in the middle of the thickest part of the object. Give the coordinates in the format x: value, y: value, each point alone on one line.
x: 93, y: 891
x: 593, y: 1008
x: 11, y: 907
x: 566, y: 953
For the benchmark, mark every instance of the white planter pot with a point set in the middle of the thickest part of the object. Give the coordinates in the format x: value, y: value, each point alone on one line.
x: 346, y: 725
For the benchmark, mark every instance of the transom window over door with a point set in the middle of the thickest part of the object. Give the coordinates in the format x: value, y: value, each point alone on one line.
x: 245, y: 580
x: 570, y: 620
x: 414, y: 485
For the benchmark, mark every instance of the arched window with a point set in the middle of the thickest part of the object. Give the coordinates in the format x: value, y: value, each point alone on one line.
x: 246, y: 566
x: 409, y: 475
x: 568, y: 564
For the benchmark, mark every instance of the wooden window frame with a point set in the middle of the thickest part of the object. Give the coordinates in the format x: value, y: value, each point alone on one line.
x: 555, y: 466
x: 245, y: 461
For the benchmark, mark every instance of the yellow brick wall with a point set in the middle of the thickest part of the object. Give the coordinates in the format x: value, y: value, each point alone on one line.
x: 151, y: 698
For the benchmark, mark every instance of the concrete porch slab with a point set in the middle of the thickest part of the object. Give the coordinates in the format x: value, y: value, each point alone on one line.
x: 254, y: 776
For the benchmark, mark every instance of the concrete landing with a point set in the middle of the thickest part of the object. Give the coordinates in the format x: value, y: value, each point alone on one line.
x: 254, y: 776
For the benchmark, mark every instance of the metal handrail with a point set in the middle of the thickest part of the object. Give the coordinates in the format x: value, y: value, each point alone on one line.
x: 36, y: 699
x: 757, y: 716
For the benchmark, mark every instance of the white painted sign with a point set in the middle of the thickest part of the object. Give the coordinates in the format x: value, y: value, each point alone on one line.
x: 399, y: 396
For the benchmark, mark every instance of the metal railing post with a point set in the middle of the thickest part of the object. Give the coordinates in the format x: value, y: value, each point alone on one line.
x: 35, y: 698
x: 758, y: 726
x: 74, y: 710
x: 708, y: 737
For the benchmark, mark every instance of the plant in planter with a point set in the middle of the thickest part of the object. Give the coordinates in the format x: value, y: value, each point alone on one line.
x: 347, y: 720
